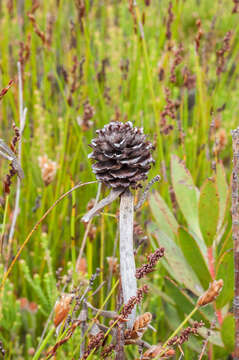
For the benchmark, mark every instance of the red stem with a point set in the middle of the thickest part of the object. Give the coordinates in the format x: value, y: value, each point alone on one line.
x: 211, y: 262
x: 213, y: 275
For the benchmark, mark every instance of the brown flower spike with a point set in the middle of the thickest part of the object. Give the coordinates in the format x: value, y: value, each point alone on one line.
x: 122, y: 155
x: 210, y: 295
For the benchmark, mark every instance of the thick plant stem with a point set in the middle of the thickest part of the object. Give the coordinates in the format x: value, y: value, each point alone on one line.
x: 127, y: 262
x: 235, y: 234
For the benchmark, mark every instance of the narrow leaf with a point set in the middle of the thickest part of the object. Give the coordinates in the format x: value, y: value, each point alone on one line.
x: 225, y: 271
x: 228, y: 332
x: 194, y: 257
x: 186, y: 193
x: 209, y: 211
x: 162, y: 214
x: 182, y: 271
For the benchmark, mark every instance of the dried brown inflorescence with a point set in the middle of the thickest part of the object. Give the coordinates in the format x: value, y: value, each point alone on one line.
x: 220, y: 141
x: 107, y: 351
x: 5, y: 90
x: 85, y: 121
x: 81, y: 10
x: 199, y: 34
x: 122, y: 154
x: 113, y: 264
x: 176, y: 61
x: 128, y: 308
x: 150, y: 266
x: 134, y: 17
x: 74, y: 80
x: 139, y: 327
x: 190, y: 330
x: 24, y: 51
x: 221, y: 61
x: 210, y: 295
x: 49, y: 29
x: 189, y: 79
x: 70, y: 331
x: 13, y: 169
x: 94, y: 344
x: 48, y: 169
x: 169, y: 21
x: 62, y: 308
x: 169, y: 111
x: 36, y: 28
x: 235, y: 9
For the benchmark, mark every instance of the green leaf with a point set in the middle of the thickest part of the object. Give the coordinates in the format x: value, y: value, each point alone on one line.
x: 194, y: 257
x: 186, y: 193
x: 225, y: 271
x: 215, y: 336
x: 228, y: 332
x: 209, y: 211
x: 182, y: 271
x: 185, y: 303
x: 162, y: 214
x: 222, y: 188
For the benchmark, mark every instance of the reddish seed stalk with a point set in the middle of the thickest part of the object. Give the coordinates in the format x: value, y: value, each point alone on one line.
x: 213, y: 275
x: 235, y: 234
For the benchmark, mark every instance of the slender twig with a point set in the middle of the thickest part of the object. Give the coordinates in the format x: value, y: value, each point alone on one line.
x: 114, y: 194
x: 22, y: 114
x: 146, y: 191
x: 102, y: 312
x: 207, y: 340
x: 235, y: 233
x: 127, y: 261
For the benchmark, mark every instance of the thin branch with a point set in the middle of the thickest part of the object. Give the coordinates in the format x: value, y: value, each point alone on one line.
x: 104, y: 202
x: 101, y: 312
x: 207, y: 340
x: 146, y: 191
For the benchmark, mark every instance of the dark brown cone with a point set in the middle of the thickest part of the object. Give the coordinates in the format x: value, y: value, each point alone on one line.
x: 123, y: 156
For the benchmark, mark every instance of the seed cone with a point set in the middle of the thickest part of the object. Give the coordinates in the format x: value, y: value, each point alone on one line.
x: 122, y: 155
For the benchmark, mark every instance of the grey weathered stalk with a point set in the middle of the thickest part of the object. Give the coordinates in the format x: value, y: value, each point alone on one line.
x: 235, y: 234
x: 127, y: 261
x: 99, y: 206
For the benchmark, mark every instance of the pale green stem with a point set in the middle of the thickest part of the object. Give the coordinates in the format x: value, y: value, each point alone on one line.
x: 178, y: 329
